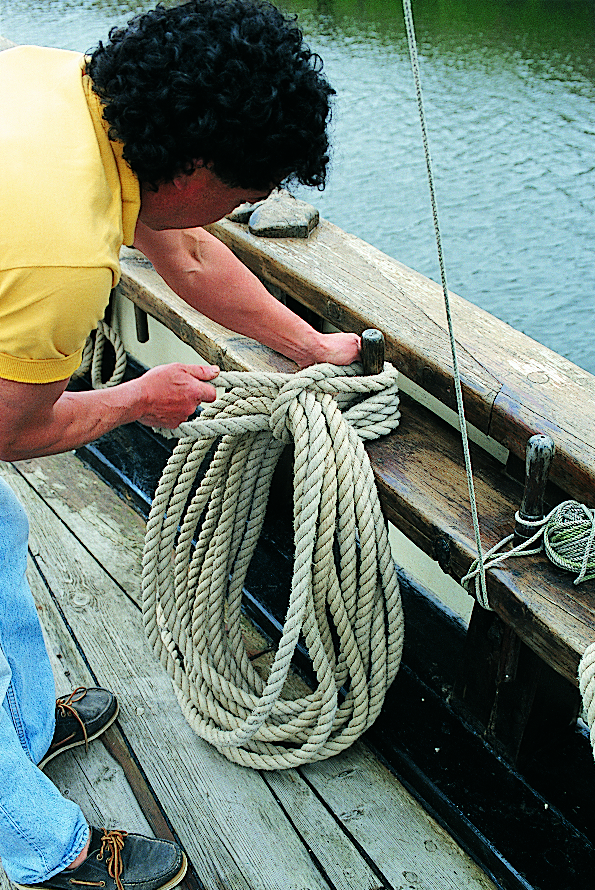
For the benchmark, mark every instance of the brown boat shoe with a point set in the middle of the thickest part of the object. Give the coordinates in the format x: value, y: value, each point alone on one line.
x: 81, y: 717
x: 120, y: 861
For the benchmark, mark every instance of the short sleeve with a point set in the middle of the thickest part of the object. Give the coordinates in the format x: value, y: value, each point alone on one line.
x: 46, y: 315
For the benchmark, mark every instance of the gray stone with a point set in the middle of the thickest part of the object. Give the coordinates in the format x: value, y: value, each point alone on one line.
x: 243, y: 213
x: 283, y: 216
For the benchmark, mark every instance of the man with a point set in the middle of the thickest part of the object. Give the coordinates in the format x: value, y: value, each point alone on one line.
x: 180, y: 117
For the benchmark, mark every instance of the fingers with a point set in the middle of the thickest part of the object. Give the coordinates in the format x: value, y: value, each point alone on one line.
x: 208, y: 394
x: 202, y: 372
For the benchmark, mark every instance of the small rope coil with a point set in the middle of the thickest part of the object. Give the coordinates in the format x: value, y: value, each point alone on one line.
x: 93, y: 357
x: 344, y: 602
x: 567, y: 535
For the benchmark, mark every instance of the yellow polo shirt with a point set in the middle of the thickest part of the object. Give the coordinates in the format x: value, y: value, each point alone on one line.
x: 68, y: 201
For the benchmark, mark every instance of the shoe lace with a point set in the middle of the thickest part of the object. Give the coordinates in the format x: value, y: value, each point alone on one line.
x: 65, y: 707
x: 112, y: 843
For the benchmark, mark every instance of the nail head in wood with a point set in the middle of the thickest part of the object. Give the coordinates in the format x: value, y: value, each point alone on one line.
x: 372, y: 351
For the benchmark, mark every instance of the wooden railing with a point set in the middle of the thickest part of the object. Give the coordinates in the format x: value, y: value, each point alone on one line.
x: 513, y: 388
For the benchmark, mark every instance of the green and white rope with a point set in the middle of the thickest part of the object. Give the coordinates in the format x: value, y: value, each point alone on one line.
x: 344, y: 601
x: 567, y: 534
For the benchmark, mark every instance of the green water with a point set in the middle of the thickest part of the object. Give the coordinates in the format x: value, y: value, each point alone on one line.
x: 509, y: 93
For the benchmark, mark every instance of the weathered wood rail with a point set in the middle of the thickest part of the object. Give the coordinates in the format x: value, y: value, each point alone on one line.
x: 513, y: 388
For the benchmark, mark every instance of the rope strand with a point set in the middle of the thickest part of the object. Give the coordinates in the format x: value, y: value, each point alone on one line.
x: 481, y: 592
x: 344, y: 600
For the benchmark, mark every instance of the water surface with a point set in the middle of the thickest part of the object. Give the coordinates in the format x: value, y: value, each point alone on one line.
x: 509, y: 92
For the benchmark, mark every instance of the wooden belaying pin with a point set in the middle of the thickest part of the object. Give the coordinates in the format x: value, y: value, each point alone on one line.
x: 538, y: 458
x: 142, y: 324
x: 372, y: 351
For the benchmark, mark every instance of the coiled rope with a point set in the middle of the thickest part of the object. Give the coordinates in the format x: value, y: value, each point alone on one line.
x: 93, y: 357
x: 567, y: 534
x: 344, y: 601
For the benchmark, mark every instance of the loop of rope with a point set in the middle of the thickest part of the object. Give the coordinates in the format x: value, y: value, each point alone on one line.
x: 344, y: 601
x: 93, y: 357
x: 567, y: 534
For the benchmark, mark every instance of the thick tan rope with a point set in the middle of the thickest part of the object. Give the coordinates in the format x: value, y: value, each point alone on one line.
x: 344, y: 602
x: 93, y: 357
x: 586, y: 677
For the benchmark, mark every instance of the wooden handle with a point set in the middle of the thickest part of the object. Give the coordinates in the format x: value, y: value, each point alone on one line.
x: 372, y: 351
x: 142, y: 324
x: 538, y: 458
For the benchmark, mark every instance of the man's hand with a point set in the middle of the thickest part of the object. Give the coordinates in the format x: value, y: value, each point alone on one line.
x: 172, y: 393
x: 43, y: 418
x: 337, y: 349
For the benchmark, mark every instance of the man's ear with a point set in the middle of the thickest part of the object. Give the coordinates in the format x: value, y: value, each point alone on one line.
x: 183, y: 180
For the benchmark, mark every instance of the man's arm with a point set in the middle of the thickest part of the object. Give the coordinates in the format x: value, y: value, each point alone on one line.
x: 207, y: 275
x: 42, y: 418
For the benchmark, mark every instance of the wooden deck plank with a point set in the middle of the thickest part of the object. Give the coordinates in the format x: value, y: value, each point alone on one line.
x: 227, y: 820
x: 94, y: 779
x: 219, y: 811
x: 411, y: 849
x: 345, y: 866
x: 94, y: 513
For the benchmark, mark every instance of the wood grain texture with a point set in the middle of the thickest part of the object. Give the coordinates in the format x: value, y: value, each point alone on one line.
x: 240, y: 829
x: 411, y: 850
x: 513, y: 386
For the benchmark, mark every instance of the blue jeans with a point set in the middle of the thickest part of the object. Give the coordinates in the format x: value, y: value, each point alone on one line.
x: 40, y: 831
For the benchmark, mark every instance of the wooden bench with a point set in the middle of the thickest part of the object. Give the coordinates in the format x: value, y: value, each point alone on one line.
x: 513, y: 388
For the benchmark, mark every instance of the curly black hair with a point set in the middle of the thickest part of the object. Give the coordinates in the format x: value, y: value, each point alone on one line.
x: 229, y: 83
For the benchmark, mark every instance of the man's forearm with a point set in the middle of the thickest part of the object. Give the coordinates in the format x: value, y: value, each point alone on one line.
x: 74, y: 420
x: 207, y: 275
x: 42, y: 419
